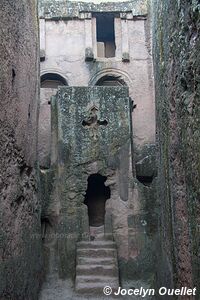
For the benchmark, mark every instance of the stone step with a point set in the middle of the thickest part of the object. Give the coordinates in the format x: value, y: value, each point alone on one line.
x: 97, y: 279
x: 91, y: 288
x: 109, y: 270
x: 96, y: 267
x: 96, y: 244
x: 96, y: 252
x: 102, y: 261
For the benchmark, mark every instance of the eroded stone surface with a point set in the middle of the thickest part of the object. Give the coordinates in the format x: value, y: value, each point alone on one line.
x: 176, y: 56
x: 93, y: 125
x: 64, y: 9
x: 91, y: 133
x: 20, y: 240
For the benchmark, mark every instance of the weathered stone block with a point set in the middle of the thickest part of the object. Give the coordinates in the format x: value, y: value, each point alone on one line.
x: 125, y: 57
x: 89, y: 55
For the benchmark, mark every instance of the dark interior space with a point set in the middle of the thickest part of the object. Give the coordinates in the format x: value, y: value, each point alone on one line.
x: 52, y: 80
x: 105, y: 27
x: 96, y: 195
x: 146, y: 180
x: 109, y: 80
x: 46, y: 228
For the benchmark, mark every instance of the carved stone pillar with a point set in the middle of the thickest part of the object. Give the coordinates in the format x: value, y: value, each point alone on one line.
x: 89, y: 54
x: 125, y: 37
x: 42, y: 39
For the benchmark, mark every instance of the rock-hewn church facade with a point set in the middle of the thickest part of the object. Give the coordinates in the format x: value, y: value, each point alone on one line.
x: 97, y: 132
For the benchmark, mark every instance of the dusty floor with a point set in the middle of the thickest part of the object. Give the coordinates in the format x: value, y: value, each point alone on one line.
x: 57, y: 289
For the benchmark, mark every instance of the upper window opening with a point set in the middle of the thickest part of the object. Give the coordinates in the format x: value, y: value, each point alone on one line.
x: 52, y: 80
x: 105, y: 28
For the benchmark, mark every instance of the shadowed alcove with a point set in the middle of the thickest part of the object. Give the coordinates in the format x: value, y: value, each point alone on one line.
x: 52, y: 80
x: 96, y: 195
x: 110, y: 80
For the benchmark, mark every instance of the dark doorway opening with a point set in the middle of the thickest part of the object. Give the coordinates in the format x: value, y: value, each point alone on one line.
x: 96, y: 195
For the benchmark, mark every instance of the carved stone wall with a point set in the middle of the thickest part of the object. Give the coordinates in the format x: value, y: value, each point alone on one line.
x: 68, y: 38
x: 93, y: 131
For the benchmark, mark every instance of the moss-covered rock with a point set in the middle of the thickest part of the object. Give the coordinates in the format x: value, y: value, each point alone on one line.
x: 176, y: 65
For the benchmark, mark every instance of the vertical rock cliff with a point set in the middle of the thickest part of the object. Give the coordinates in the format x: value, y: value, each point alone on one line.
x: 20, y: 246
x: 177, y: 82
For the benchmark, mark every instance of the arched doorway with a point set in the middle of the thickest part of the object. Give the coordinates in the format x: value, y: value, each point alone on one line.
x: 96, y: 195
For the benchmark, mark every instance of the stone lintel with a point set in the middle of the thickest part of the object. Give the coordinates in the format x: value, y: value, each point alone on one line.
x: 69, y: 10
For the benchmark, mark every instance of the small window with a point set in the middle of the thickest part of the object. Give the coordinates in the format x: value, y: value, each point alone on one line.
x: 105, y: 35
x: 52, y: 80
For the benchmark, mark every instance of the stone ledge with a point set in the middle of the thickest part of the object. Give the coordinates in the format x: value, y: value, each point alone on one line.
x: 51, y: 9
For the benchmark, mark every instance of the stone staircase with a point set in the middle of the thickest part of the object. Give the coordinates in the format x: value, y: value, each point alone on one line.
x: 96, y: 267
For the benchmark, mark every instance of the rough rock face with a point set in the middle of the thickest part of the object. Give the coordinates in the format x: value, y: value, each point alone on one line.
x: 177, y: 79
x: 20, y: 246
